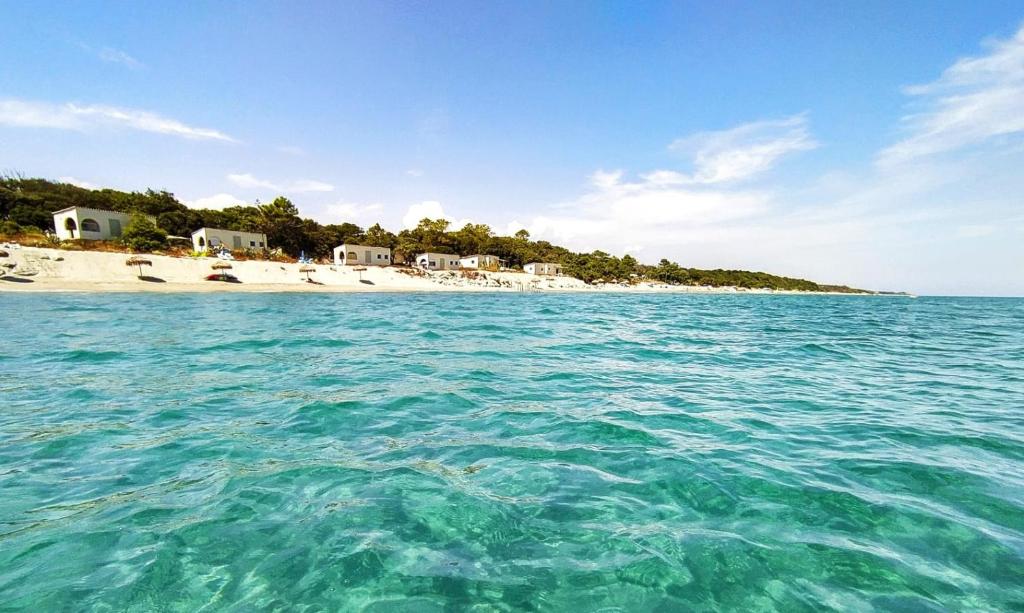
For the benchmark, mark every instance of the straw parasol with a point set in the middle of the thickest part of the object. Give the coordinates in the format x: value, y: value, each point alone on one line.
x: 307, y: 268
x: 360, y: 270
x: 139, y: 261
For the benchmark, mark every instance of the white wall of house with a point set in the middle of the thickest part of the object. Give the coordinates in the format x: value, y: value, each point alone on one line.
x: 543, y: 268
x: 485, y: 262
x: 204, y: 239
x: 437, y: 261
x: 89, y: 224
x: 361, y: 255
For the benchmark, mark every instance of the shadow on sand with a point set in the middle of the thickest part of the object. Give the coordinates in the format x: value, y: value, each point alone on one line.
x: 366, y: 281
x: 149, y: 279
x: 16, y: 279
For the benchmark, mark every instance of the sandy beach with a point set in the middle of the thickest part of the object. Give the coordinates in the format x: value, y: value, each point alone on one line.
x: 60, y: 270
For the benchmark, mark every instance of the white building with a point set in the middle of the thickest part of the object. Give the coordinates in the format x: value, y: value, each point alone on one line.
x: 481, y: 262
x: 213, y: 238
x: 361, y: 255
x: 437, y: 261
x: 89, y: 224
x: 543, y: 268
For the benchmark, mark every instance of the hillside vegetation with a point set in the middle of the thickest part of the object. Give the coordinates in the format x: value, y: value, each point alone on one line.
x: 27, y: 205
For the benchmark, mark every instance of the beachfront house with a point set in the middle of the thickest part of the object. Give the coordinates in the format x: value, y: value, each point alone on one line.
x: 480, y: 262
x: 543, y: 268
x: 437, y: 261
x: 78, y: 222
x: 361, y: 255
x: 205, y: 239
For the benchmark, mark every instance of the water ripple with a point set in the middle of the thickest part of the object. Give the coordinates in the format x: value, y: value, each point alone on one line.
x: 513, y: 452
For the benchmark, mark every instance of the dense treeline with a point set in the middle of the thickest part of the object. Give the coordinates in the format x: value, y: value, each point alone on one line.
x: 27, y: 204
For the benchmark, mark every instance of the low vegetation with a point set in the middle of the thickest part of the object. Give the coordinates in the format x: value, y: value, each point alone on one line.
x: 27, y: 205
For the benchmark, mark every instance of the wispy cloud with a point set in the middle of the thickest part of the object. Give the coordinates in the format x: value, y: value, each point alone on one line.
x: 739, y: 153
x: 116, y: 56
x: 975, y: 100
x: 113, y: 56
x: 249, y: 181
x: 71, y: 116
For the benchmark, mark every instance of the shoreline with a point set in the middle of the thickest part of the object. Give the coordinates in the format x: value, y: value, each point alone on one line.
x: 57, y: 270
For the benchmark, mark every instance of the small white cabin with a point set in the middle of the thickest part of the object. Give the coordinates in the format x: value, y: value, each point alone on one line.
x: 361, y: 255
x: 481, y: 262
x: 89, y: 224
x: 543, y: 268
x: 437, y: 261
x: 204, y: 239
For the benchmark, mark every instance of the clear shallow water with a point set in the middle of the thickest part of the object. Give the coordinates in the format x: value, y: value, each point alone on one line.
x: 514, y: 452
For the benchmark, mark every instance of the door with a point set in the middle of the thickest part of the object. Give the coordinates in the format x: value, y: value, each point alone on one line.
x: 115, y: 227
x: 367, y: 255
x: 237, y: 240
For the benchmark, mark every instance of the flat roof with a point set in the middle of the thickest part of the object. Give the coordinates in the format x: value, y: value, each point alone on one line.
x: 89, y: 208
x: 361, y: 246
x: 226, y: 230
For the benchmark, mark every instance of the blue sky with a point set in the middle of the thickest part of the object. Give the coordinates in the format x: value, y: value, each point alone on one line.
x: 873, y: 143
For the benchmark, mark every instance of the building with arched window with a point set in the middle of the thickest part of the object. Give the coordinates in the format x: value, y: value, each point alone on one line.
x: 361, y: 255
x: 205, y: 239
x: 78, y: 222
x: 437, y: 261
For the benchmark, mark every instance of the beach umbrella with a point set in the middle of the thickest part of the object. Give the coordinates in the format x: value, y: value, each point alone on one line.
x: 139, y: 261
x: 360, y: 270
x: 307, y: 268
x: 222, y: 266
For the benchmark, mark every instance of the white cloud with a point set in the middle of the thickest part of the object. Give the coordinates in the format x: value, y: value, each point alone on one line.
x: 740, y: 153
x: 351, y: 212
x: 977, y: 99
x: 216, y: 202
x: 975, y: 230
x: 430, y: 209
x: 248, y: 181
x: 78, y: 182
x: 71, y: 116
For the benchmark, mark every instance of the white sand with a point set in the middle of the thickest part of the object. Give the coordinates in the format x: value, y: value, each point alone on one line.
x: 101, y: 271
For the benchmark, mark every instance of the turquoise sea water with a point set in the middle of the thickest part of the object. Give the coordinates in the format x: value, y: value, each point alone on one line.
x: 510, y: 452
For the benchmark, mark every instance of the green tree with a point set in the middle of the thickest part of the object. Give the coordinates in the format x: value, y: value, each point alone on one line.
x: 141, y: 234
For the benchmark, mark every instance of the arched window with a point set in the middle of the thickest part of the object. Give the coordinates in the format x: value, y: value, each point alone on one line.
x: 202, y: 241
x: 214, y: 241
x: 90, y: 225
x: 352, y: 256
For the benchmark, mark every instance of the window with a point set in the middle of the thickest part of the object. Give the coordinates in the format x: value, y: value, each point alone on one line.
x: 252, y: 243
x: 261, y: 243
x: 90, y: 225
x: 352, y: 255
